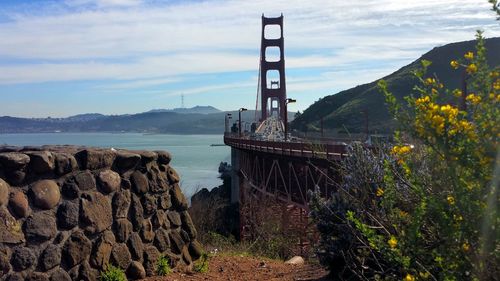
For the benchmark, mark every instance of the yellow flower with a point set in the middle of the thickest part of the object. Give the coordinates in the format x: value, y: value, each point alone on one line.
x: 454, y: 64
x: 451, y: 200
x: 472, y: 98
x: 496, y: 85
x: 380, y: 191
x: 424, y: 275
x: 409, y: 277
x: 458, y: 217
x: 422, y: 100
x: 434, y: 91
x: 494, y: 74
x: 430, y: 81
x: 469, y: 55
x: 466, y: 247
x: 472, y: 68
x: 457, y: 93
x: 393, y: 242
x: 403, y: 214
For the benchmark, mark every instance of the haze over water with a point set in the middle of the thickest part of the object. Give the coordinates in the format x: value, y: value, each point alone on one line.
x: 193, y: 157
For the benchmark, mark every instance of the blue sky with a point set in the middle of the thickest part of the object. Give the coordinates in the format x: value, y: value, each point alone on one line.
x: 59, y: 58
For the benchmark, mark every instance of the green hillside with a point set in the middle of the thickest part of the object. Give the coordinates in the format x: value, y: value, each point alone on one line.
x: 345, y: 109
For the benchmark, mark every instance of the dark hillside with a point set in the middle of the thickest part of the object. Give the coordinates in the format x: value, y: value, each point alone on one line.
x: 345, y: 109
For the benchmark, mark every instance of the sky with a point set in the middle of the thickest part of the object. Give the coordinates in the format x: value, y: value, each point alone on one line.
x: 66, y: 57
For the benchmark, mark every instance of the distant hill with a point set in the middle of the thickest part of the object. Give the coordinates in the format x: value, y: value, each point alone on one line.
x: 197, y: 109
x: 147, y: 122
x: 345, y: 109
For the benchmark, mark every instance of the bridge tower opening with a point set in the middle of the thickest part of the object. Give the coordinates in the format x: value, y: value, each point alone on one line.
x: 272, y: 66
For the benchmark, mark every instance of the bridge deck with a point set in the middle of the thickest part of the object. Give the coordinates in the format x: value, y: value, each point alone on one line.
x: 323, y: 150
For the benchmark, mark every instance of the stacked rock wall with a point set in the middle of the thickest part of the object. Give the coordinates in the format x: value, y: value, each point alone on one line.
x: 67, y: 212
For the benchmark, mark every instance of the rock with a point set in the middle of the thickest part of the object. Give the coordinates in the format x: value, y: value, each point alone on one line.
x: 19, y: 203
x: 37, y: 276
x: 40, y: 226
x: 185, y: 236
x: 123, y: 229
x: 188, y: 225
x: 102, y: 250
x: 76, y: 249
x: 126, y: 184
x: 51, y: 257
x: 136, y: 213
x: 95, y: 159
x: 60, y: 275
x: 178, y: 199
x: 22, y: 258
x: 61, y: 237
x: 174, y: 218
x: 195, y: 249
x: 45, y: 194
x: 176, y: 242
x: 67, y: 215
x: 161, y: 240
x: 136, y: 271
x: 74, y: 272
x: 135, y: 246
x: 4, y: 192
x: 87, y: 273
x: 96, y: 214
x: 121, y: 203
x: 14, y: 160
x: 70, y: 190
x: 146, y: 155
x: 295, y: 260
x: 85, y: 181
x: 120, y: 256
x: 10, y: 228
x: 15, y: 177
x: 140, y: 183
x: 126, y: 161
x: 109, y: 181
x: 151, y: 256
x: 9, y: 148
x: 185, y: 256
x: 164, y: 157
x: 158, y: 182
x: 172, y: 175
x: 65, y: 163
x: 16, y: 277
x: 158, y: 219
x: 42, y: 161
x: 164, y: 201
x: 4, y: 261
x: 147, y: 233
x: 148, y: 204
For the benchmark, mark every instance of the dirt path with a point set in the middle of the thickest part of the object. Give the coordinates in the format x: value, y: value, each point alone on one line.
x: 235, y: 268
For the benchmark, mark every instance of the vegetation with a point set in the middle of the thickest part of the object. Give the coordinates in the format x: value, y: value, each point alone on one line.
x: 426, y: 208
x: 201, y: 265
x: 113, y: 274
x: 163, y: 266
x: 346, y: 108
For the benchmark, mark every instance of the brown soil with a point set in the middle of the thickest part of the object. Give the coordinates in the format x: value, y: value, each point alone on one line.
x: 235, y: 268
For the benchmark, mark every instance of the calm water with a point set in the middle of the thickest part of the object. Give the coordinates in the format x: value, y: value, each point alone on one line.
x: 193, y: 157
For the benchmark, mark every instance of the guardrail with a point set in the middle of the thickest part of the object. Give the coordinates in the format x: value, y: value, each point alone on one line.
x: 320, y: 150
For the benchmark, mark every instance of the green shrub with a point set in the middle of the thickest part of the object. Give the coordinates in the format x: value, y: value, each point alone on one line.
x: 163, y: 266
x: 201, y: 265
x: 113, y: 274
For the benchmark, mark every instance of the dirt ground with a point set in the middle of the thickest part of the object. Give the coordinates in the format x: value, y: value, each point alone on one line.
x: 235, y: 268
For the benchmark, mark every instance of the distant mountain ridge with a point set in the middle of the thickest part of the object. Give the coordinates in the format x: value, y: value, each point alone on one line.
x: 196, y: 109
x: 348, y: 110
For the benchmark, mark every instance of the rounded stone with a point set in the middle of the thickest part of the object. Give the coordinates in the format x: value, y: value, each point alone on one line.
x: 120, y: 255
x: 161, y: 240
x: 164, y: 157
x: 174, y: 218
x: 76, y: 249
x: 67, y: 215
x: 151, y: 256
x: 4, y: 192
x: 136, y: 271
x: 147, y: 231
x: 14, y: 160
x: 37, y: 276
x: 195, y: 249
x: 85, y: 181
x: 109, y: 181
x: 139, y: 182
x: 60, y: 275
x: 51, y: 257
x: 102, y: 250
x: 123, y: 229
x: 19, y: 203
x: 96, y: 213
x: 4, y: 261
x: 42, y: 161
x: 45, y: 194
x: 135, y: 246
x: 41, y: 226
x: 121, y: 203
x: 22, y: 258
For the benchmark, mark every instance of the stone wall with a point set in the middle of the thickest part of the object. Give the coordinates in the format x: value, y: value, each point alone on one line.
x: 68, y: 212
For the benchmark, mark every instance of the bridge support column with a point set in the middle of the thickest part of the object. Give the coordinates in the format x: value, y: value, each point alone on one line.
x: 235, y: 176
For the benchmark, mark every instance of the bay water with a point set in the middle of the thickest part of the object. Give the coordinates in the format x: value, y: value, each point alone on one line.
x: 193, y: 157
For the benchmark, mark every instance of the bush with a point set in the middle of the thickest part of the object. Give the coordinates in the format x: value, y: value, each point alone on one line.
x: 113, y: 274
x: 201, y: 265
x: 426, y: 210
x: 163, y: 266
